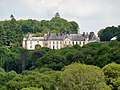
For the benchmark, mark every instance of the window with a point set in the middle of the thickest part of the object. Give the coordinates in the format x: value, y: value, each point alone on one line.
x: 69, y: 42
x: 53, y: 42
x: 80, y: 43
x: 49, y: 42
x: 45, y: 43
x: 65, y: 42
x: 83, y: 43
x: 30, y: 46
x: 37, y: 41
x: 60, y: 42
x: 53, y: 47
x: 57, y: 46
x: 30, y: 42
x: 57, y: 42
x: 76, y: 42
x: 60, y: 46
x: 73, y: 42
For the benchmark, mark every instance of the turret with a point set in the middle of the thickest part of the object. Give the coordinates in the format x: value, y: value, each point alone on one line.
x: 45, y: 36
x: 91, y: 35
x: 29, y: 36
x: 57, y: 15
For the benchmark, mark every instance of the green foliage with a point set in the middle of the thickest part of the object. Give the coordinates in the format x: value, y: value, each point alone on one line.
x: 74, y: 27
x: 43, y: 61
x: 93, y: 45
x: 52, y: 60
x: 12, y: 31
x: 5, y: 77
x: 8, y: 59
x: 35, y: 55
x: 32, y: 88
x: 112, y: 74
x: 92, y: 54
x: 33, y: 80
x: 30, y: 25
x: 58, y: 25
x: 108, y: 33
x: 19, y: 59
x: 76, y: 77
x: 55, y: 25
x: 2, y: 70
x: 74, y: 57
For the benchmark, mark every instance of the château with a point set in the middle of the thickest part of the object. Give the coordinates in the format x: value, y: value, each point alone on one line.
x: 58, y: 41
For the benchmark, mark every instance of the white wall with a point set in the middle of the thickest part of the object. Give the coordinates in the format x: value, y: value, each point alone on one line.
x: 53, y: 44
x: 30, y: 45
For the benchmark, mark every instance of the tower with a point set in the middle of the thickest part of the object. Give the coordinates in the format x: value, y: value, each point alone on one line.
x: 29, y: 36
x: 57, y: 15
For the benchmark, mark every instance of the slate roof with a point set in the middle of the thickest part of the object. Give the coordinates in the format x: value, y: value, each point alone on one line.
x: 74, y: 37
x: 38, y: 38
x: 94, y: 37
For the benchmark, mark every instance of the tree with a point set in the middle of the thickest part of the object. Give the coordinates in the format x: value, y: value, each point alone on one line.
x: 108, y: 33
x: 11, y: 34
x: 5, y: 77
x: 52, y: 60
x: 22, y: 61
x: 12, y: 18
x: 12, y: 31
x: 35, y: 55
x: 60, y: 24
x: 74, y: 57
x: 112, y: 74
x: 74, y: 27
x: 33, y: 80
x: 76, y: 77
x: 31, y: 88
x: 93, y: 45
x: 89, y: 55
x: 104, y: 49
x: 102, y: 60
x: 24, y: 58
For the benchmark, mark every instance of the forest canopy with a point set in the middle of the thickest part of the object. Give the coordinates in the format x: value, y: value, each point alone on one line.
x: 63, y: 69
x: 109, y: 32
x: 12, y: 31
x: 47, y: 68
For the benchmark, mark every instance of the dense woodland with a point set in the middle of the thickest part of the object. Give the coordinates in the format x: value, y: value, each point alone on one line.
x: 62, y: 69
x: 95, y: 66
x: 109, y: 32
x: 12, y: 31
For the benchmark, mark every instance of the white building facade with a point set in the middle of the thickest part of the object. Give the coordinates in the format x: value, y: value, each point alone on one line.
x: 58, y: 41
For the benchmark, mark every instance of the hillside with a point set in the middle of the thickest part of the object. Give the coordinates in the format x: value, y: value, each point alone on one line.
x: 12, y: 31
x: 94, y: 66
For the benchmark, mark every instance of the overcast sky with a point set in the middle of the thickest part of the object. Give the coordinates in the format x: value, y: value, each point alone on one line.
x: 91, y: 15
